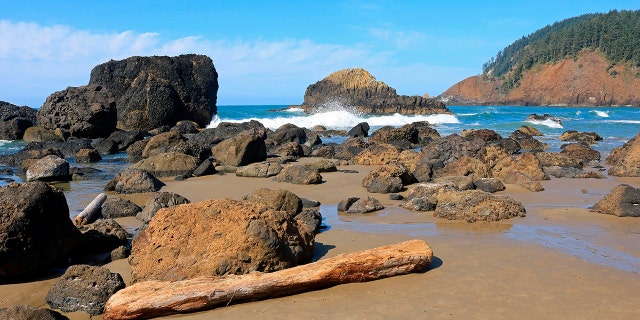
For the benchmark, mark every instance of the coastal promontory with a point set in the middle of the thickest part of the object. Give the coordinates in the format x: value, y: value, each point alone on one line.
x: 359, y: 89
x: 590, y: 60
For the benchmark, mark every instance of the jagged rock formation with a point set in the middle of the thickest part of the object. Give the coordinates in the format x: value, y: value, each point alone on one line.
x: 84, y: 112
x: 15, y: 120
x: 154, y: 91
x: 588, y: 80
x: 359, y: 89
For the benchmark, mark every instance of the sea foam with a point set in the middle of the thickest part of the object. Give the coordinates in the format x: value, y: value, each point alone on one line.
x: 602, y: 114
x: 548, y: 122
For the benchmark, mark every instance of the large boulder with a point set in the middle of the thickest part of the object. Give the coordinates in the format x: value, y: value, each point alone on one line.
x: 168, y: 164
x: 448, y: 149
x: 84, y: 288
x: 154, y: 91
x: 245, y: 148
x: 625, y: 160
x: 259, y: 170
x: 36, y: 232
x: 15, y: 120
x: 622, y: 201
x: 377, y: 154
x: 358, y: 89
x: 475, y: 205
x: 297, y: 174
x: 365, y: 205
x: 86, y: 112
x: 49, y: 168
x: 118, y: 208
x: 218, y: 237
x: 582, y: 152
x: 388, y: 179
x: 39, y: 134
x: 161, y: 143
x: 583, y: 137
x: 133, y: 180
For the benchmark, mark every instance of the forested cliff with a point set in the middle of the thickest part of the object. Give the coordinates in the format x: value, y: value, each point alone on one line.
x: 593, y: 59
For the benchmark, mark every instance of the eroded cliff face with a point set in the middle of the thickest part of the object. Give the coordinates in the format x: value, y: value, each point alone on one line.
x: 588, y: 80
x: 359, y: 89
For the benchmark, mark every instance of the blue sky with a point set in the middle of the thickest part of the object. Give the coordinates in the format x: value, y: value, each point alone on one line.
x: 268, y: 52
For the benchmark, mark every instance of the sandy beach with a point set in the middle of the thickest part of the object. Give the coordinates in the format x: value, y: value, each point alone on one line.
x: 561, y: 261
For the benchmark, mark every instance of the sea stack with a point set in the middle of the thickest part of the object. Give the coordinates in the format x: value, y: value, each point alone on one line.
x: 357, y: 88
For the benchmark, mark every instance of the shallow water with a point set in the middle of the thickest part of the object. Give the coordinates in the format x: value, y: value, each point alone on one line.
x: 573, y: 241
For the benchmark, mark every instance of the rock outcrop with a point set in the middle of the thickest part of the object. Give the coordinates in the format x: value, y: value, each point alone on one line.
x: 357, y: 88
x: 154, y: 91
x: 85, y: 112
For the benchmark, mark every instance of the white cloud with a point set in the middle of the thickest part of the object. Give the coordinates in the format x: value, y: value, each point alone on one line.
x: 37, y: 60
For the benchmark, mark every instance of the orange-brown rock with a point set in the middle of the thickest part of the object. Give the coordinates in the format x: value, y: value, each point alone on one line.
x: 218, y: 237
x: 588, y: 80
x: 625, y: 160
x: 475, y: 205
x: 378, y: 154
x: 358, y: 89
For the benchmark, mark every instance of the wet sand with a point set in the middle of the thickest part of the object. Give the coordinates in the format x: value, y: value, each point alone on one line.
x: 561, y: 261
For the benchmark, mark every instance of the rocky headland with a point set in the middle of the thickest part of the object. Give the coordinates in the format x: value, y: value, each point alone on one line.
x: 357, y: 88
x: 589, y: 79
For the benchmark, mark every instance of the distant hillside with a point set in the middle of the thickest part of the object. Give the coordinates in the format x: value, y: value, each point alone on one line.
x: 592, y: 59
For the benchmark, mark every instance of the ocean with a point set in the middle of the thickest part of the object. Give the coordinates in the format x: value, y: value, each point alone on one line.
x: 615, y: 124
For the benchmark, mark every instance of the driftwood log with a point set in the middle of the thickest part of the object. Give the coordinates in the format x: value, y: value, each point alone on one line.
x: 157, y: 298
x: 91, y: 212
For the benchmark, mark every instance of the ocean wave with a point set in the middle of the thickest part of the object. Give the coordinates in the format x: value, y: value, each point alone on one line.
x: 548, y: 122
x: 624, y: 121
x: 294, y: 110
x: 343, y: 119
x: 602, y: 114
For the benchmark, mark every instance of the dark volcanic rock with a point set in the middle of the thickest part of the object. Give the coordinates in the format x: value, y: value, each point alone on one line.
x: 360, y: 130
x: 36, y: 232
x: 15, y: 120
x: 118, y: 208
x: 158, y: 201
x: 168, y: 164
x: 243, y: 149
x: 101, y: 236
x: 154, y: 91
x: 87, y: 111
x: 84, y: 288
x: 365, y: 205
x: 133, y: 180
x: 359, y: 89
x: 88, y: 155
x: 297, y: 174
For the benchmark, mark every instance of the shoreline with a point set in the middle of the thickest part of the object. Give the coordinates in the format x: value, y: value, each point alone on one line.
x: 560, y: 261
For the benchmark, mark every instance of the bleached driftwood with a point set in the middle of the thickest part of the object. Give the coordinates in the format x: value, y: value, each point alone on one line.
x: 157, y: 298
x: 91, y: 212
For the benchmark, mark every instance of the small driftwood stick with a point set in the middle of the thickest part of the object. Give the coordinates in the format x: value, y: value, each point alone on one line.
x: 91, y: 212
x: 157, y: 298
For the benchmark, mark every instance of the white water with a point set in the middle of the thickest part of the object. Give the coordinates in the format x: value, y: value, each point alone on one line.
x: 602, y: 114
x: 341, y: 119
x: 548, y: 122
